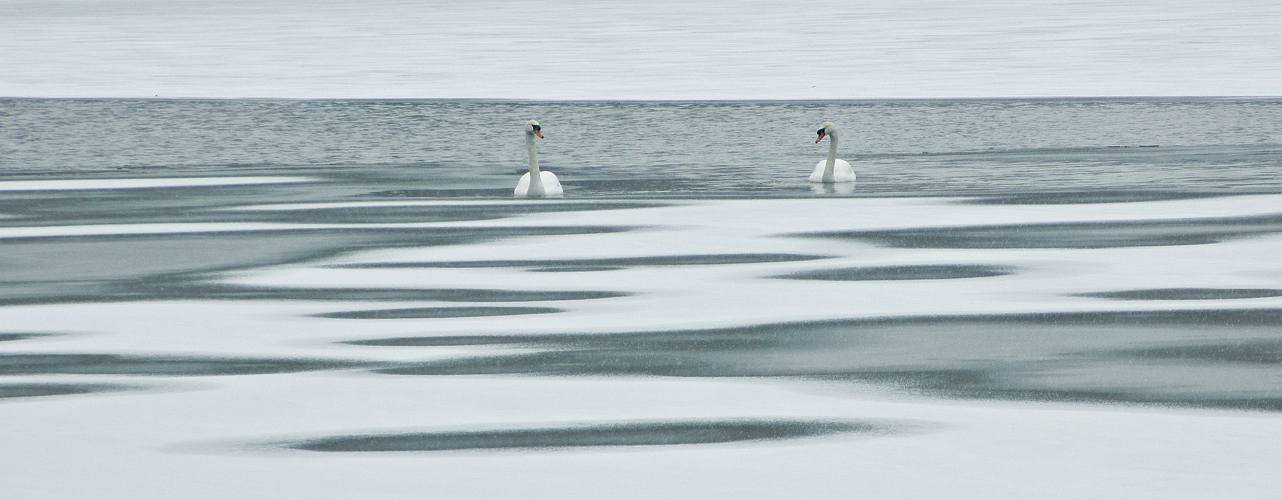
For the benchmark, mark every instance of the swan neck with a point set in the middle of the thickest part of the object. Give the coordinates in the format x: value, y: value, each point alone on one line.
x: 832, y: 155
x: 534, y: 154
x: 536, y: 178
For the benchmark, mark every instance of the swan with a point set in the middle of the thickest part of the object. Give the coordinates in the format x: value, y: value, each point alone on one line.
x: 832, y: 169
x: 536, y: 183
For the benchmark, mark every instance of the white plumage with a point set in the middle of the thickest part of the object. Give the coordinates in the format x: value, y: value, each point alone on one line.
x: 536, y: 183
x: 831, y: 170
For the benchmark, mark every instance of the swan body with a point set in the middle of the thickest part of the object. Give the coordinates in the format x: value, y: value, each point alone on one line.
x: 549, y: 185
x: 536, y: 183
x: 841, y: 172
x: 831, y: 170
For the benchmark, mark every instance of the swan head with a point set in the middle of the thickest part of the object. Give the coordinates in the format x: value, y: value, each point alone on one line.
x: 826, y: 129
x: 532, y: 128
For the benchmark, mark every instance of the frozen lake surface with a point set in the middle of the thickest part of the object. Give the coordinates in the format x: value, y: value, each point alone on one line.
x: 659, y: 49
x: 338, y: 299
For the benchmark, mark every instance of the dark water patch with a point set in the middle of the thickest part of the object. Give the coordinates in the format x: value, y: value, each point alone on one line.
x: 1258, y: 404
x: 94, y: 259
x: 10, y: 337
x: 426, y: 213
x: 211, y: 204
x: 1251, y: 352
x: 821, y: 332
x: 574, y: 269
x: 197, y: 204
x: 707, y: 184
x: 177, y: 266
x: 1186, y: 294
x: 747, y: 338
x: 444, y: 193
x: 1264, y: 403
x: 231, y: 292
x: 40, y: 390
x: 155, y: 290
x: 601, y: 362
x: 141, y: 205
x: 463, y: 340
x: 604, y: 263
x: 1083, y: 356
x: 938, y: 272
x: 117, y: 364
x: 997, y: 385
x: 650, y: 186
x: 1067, y: 235
x: 969, y: 383
x: 1088, y: 197
x: 663, y: 433
x: 439, y: 312
x: 217, y: 292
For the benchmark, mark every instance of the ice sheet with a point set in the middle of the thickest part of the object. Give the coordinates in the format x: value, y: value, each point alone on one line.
x: 144, y: 369
x: 58, y: 185
x: 725, y: 49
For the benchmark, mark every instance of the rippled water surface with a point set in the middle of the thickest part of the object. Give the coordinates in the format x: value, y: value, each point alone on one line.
x: 639, y: 149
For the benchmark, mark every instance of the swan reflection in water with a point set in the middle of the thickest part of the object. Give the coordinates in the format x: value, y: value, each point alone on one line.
x: 833, y: 187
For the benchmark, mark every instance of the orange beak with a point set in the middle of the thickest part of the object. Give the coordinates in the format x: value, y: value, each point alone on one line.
x: 538, y: 133
x: 821, y: 136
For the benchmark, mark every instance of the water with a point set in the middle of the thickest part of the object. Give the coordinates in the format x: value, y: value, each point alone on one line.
x: 684, y: 149
x: 342, y: 298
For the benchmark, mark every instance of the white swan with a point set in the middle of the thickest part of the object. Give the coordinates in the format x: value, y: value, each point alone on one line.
x: 831, y: 170
x: 536, y: 183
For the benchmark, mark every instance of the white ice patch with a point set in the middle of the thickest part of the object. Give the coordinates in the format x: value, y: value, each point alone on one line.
x: 678, y: 297
x: 661, y: 49
x: 127, y: 229
x: 195, y: 437
x: 84, y: 184
x: 284, y: 207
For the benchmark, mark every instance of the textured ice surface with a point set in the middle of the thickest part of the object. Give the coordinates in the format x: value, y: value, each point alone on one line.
x: 662, y: 49
x: 174, y: 351
x: 86, y: 184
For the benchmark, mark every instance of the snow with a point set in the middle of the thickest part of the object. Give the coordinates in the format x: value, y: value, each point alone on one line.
x: 211, y: 437
x: 663, y: 49
x: 79, y: 184
x: 188, y: 440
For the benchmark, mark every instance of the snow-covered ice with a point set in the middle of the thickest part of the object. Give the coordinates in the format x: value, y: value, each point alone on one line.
x: 663, y: 49
x: 220, y: 436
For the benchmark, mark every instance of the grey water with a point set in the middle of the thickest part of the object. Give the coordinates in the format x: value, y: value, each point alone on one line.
x: 1060, y: 356
x: 629, y: 434
x: 1008, y: 149
x: 619, y: 155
